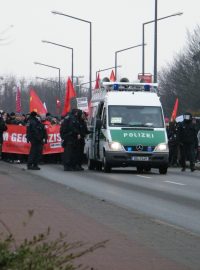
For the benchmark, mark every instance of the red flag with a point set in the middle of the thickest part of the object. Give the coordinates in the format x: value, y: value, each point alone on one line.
x: 112, y: 76
x: 97, y: 84
x: 18, y: 100
x: 174, y: 113
x: 70, y: 93
x: 36, y: 104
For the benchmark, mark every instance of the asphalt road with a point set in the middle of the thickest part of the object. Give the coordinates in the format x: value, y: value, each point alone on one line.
x: 173, y: 198
x: 159, y: 211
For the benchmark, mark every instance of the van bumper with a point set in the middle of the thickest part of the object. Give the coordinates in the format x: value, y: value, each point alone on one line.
x: 124, y: 159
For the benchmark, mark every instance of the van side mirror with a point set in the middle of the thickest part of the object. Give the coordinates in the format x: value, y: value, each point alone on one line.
x: 98, y: 124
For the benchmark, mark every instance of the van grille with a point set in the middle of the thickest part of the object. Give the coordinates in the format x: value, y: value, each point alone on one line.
x: 148, y: 149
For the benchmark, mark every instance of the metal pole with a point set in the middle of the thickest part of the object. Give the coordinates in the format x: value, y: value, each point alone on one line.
x: 59, y: 84
x: 72, y: 65
x: 155, y: 42
x: 116, y: 65
x: 90, y: 91
x: 143, y: 60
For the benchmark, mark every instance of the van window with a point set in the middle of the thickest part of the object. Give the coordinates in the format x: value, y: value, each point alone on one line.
x: 135, y: 116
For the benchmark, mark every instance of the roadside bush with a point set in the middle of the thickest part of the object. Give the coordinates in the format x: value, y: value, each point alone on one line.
x: 41, y: 253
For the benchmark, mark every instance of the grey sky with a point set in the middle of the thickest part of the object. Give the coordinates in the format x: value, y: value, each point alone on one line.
x: 115, y: 25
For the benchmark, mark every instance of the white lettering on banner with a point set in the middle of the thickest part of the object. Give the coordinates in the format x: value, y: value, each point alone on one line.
x: 55, y: 137
x: 139, y: 135
x: 55, y: 145
x: 5, y: 136
x: 17, y: 137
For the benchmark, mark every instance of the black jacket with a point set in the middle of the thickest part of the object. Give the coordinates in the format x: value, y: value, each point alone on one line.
x: 70, y: 128
x: 187, y: 133
x: 36, y: 131
x: 3, y: 128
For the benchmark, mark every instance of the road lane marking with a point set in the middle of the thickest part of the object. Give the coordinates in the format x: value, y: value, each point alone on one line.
x: 175, y: 183
x: 143, y: 176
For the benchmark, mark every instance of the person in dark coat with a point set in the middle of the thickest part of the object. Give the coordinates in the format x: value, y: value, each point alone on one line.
x: 187, y: 136
x: 81, y: 143
x: 3, y: 128
x: 172, y: 131
x: 37, y: 136
x: 70, y: 135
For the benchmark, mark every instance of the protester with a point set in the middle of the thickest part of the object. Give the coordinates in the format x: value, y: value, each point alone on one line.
x: 187, y: 137
x: 82, y: 117
x: 3, y: 128
x: 37, y: 136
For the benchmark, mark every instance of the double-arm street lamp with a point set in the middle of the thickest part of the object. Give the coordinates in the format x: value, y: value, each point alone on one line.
x: 38, y: 63
x: 122, y: 51
x: 60, y: 45
x: 90, y: 24
x: 155, y: 47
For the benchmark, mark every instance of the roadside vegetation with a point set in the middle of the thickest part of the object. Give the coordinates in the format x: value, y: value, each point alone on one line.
x: 41, y: 253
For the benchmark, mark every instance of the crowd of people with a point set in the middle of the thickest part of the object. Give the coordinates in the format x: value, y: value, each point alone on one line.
x: 183, y: 139
x: 73, y: 129
x: 184, y: 142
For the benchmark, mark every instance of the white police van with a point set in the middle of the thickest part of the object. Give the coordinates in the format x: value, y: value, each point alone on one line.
x: 128, y: 128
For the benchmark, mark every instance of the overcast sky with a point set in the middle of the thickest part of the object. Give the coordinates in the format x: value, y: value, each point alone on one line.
x: 115, y: 25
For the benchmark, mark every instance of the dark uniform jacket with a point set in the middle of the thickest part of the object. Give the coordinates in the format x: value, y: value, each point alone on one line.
x: 69, y: 130
x: 36, y: 131
x: 187, y: 133
x: 3, y: 128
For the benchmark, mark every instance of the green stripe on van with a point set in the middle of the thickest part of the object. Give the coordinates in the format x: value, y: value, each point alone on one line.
x: 134, y: 137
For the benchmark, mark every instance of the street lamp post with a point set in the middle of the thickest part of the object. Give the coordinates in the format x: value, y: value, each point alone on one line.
x: 143, y: 36
x: 106, y: 69
x: 122, y: 51
x: 90, y: 24
x: 155, y: 41
x: 37, y: 63
x: 72, y: 50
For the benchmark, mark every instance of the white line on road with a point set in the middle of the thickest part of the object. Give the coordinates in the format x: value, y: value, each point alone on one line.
x: 143, y: 176
x: 175, y: 183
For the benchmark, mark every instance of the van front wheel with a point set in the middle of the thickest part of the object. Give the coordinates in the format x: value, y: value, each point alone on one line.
x: 106, y: 166
x: 163, y: 170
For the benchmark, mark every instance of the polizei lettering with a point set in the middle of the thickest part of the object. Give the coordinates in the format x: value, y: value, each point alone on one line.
x: 138, y: 135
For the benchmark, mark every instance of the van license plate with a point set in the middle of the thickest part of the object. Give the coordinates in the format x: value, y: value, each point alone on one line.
x: 140, y: 158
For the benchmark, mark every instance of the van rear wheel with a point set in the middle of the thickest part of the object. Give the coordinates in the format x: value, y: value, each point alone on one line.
x: 91, y: 164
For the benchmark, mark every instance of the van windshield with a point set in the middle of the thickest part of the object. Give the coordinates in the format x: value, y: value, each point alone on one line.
x: 135, y: 116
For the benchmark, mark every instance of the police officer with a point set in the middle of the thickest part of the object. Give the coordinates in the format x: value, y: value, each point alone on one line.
x: 187, y: 136
x: 70, y: 135
x: 37, y: 136
x: 172, y: 131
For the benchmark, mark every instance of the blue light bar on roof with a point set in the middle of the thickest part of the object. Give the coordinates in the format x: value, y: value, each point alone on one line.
x: 116, y: 86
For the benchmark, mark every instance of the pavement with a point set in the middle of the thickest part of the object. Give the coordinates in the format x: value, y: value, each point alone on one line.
x: 27, y: 211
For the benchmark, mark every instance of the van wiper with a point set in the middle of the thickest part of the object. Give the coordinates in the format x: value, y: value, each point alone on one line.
x: 118, y: 124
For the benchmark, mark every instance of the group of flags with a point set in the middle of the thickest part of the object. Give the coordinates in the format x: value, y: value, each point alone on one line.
x: 39, y: 107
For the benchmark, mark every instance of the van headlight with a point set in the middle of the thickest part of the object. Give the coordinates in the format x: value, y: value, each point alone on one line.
x: 162, y: 147
x: 115, y: 146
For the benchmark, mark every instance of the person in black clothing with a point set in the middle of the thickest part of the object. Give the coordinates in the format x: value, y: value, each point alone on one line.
x: 3, y: 128
x: 37, y: 136
x: 172, y: 135
x: 70, y: 135
x: 81, y: 143
x: 187, y: 137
